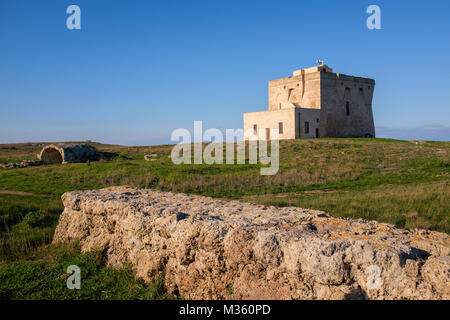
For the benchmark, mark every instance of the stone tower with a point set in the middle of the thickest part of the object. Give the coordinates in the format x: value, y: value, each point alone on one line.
x: 315, y: 102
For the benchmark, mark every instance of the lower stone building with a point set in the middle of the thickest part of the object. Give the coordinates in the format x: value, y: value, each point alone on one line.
x: 315, y: 102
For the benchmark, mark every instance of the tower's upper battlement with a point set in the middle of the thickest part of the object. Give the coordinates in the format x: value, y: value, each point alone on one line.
x: 307, y: 87
x: 312, y: 69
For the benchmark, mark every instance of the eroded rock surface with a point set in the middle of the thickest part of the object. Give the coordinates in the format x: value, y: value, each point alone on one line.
x: 215, y: 249
x: 21, y: 164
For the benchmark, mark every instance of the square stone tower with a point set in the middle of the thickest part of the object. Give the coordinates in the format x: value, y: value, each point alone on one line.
x: 315, y: 102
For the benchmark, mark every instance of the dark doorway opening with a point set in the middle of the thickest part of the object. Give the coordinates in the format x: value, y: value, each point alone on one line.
x: 267, y: 133
x: 51, y: 156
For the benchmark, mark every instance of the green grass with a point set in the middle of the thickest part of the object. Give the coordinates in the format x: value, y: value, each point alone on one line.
x: 406, y: 206
x: 393, y: 181
x: 26, y: 223
x: 43, y: 276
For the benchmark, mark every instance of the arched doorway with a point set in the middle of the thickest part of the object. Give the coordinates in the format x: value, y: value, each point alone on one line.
x: 51, y: 155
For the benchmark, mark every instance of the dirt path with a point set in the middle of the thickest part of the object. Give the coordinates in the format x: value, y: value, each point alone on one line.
x: 20, y: 193
x: 293, y: 194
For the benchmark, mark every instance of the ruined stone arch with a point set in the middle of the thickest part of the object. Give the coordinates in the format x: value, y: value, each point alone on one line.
x: 69, y: 154
x: 51, y: 154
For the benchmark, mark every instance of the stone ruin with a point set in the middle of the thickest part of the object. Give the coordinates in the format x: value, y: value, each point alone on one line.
x: 21, y: 164
x: 69, y: 154
x: 53, y: 154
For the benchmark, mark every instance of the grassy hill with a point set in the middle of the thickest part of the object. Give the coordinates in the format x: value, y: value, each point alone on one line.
x: 405, y: 183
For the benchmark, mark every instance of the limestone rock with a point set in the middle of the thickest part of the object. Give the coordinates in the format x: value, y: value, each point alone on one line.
x: 215, y: 249
x: 150, y: 157
x: 21, y: 164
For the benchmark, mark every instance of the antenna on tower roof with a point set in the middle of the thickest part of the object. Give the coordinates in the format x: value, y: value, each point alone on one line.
x: 320, y: 62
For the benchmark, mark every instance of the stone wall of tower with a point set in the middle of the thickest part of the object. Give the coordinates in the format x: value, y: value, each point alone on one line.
x: 303, y: 115
x: 338, y: 90
x: 298, y: 91
x: 270, y: 120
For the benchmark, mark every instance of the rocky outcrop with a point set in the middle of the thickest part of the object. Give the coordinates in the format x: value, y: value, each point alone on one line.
x: 21, y: 164
x: 215, y: 249
x: 68, y: 153
x: 150, y: 157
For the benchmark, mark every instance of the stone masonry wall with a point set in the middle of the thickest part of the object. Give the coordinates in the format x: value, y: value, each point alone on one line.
x: 336, y: 90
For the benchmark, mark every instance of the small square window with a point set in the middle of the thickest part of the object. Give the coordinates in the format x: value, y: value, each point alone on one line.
x: 280, y: 127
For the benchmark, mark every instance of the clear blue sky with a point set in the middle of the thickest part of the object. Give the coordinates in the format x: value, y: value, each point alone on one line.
x: 139, y: 69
